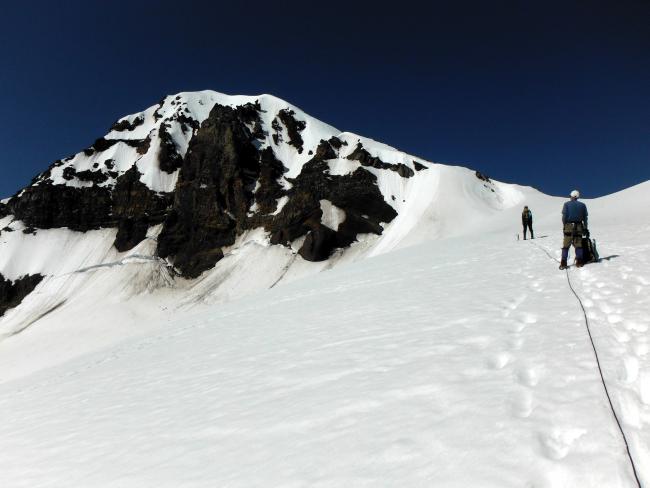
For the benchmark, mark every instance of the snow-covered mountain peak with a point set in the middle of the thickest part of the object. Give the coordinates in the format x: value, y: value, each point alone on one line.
x: 205, y: 197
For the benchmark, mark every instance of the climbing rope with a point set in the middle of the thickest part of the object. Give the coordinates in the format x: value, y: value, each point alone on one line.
x: 600, y: 370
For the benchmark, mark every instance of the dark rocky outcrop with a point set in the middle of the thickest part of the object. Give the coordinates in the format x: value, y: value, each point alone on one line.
x: 294, y: 128
x: 360, y: 154
x: 277, y: 129
x: 482, y: 177
x: 319, y: 244
x: 69, y: 173
x: 169, y: 158
x: 336, y: 143
x: 356, y: 194
x: 249, y: 113
x: 418, y: 166
x: 213, y: 193
x: 325, y: 151
x: 135, y: 208
x: 156, y: 114
x: 130, y: 206
x: 47, y: 206
x: 91, y: 176
x: 141, y: 145
x: 270, y: 189
x: 125, y: 125
x: 187, y: 123
x: 102, y: 144
x: 212, y: 201
x: 12, y: 293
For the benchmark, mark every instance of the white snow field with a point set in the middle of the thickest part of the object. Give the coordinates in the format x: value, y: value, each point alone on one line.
x: 461, y: 360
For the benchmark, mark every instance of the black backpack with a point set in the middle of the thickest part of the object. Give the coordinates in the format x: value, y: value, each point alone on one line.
x: 589, y: 251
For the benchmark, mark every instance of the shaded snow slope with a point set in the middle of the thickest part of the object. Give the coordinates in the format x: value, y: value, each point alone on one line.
x: 458, y: 362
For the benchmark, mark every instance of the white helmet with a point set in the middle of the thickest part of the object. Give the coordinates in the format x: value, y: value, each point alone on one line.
x: 575, y: 194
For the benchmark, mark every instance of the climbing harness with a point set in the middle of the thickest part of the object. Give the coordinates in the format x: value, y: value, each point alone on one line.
x: 600, y: 370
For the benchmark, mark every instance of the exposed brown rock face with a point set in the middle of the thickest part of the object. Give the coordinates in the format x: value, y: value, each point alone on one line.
x: 187, y: 123
x: 47, y: 206
x: 360, y: 154
x: 212, y: 201
x: 135, y: 208
x: 356, y: 194
x: 13, y: 292
x: 294, y: 128
x: 130, y: 206
x: 270, y: 189
x: 91, y: 176
x: 102, y: 144
x: 169, y: 158
x: 125, y: 125
x: 336, y: 143
x: 325, y: 151
x: 213, y: 193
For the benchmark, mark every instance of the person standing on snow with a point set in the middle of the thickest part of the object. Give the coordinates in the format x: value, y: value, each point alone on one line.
x: 574, y: 218
x: 527, y: 222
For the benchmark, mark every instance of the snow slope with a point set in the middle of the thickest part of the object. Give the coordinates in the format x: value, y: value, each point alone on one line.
x: 460, y: 361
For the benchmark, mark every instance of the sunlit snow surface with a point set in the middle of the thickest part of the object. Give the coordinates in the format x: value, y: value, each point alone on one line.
x: 460, y: 362
x: 443, y: 353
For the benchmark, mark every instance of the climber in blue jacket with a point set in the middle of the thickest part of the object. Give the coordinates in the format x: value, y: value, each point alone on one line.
x: 574, y: 219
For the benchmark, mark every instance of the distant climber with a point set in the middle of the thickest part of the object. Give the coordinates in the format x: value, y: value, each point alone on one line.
x: 574, y: 220
x: 527, y: 222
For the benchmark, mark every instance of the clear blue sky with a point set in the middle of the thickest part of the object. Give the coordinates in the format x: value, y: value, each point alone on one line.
x: 550, y: 94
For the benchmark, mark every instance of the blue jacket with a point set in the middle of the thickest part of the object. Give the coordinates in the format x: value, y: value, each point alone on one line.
x: 574, y: 211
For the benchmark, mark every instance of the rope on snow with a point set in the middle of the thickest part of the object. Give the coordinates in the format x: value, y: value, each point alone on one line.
x: 600, y: 370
